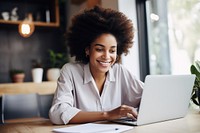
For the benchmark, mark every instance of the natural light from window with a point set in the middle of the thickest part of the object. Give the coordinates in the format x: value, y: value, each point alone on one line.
x: 173, y: 35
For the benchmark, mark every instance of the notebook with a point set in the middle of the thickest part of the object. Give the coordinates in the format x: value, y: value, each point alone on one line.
x: 165, y: 97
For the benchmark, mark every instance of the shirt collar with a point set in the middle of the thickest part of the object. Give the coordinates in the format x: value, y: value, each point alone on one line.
x: 88, y: 76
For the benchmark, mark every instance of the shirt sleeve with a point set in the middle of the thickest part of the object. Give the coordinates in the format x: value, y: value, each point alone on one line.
x: 63, y: 110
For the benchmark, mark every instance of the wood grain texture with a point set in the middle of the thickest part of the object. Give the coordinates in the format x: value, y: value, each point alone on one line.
x: 28, y: 87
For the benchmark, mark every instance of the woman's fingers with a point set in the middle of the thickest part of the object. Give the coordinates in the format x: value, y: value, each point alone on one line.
x: 130, y: 112
x: 123, y: 111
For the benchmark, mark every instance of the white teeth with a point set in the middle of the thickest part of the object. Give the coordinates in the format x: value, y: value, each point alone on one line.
x: 104, y: 62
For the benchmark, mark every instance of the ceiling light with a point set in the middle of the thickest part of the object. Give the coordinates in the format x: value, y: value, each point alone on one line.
x: 26, y: 27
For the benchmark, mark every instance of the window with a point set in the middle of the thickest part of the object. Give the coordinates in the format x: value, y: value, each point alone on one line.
x: 172, y: 30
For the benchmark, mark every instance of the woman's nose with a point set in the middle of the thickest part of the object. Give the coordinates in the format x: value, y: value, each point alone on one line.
x: 106, y: 55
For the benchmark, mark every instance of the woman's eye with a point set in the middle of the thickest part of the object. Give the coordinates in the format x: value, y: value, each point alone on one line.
x: 99, y: 50
x: 112, y: 51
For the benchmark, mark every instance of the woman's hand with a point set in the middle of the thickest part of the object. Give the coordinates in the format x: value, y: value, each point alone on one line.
x: 119, y: 112
x: 122, y: 111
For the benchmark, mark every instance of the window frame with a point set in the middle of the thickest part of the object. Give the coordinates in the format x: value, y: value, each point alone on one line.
x: 142, y: 39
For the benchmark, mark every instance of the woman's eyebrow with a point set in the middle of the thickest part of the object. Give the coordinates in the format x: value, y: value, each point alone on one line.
x: 97, y: 44
x: 104, y: 46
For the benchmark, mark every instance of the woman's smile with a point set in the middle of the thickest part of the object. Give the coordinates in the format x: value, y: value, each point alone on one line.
x: 104, y: 63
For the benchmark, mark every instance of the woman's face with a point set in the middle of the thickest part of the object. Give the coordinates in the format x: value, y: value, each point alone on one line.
x: 102, y: 53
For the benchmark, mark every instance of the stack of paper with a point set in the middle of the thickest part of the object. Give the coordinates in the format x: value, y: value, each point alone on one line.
x: 94, y: 128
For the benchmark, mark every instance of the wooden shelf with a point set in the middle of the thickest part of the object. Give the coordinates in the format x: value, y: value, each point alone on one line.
x: 47, y: 87
x: 51, y: 24
x: 55, y: 22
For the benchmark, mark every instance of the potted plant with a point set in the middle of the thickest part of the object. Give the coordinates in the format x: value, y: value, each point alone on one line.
x: 37, y: 71
x: 17, y: 75
x: 195, y: 69
x: 57, y: 60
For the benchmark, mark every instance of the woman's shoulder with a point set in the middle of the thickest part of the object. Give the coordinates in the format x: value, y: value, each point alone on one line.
x: 118, y: 66
x: 124, y: 73
x: 72, y: 66
x: 120, y: 69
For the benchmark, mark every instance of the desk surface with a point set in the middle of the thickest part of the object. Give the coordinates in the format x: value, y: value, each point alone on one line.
x: 189, y: 124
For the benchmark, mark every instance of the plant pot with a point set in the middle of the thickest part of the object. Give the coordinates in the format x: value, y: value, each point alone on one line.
x: 18, y: 78
x: 37, y: 74
x: 53, y: 74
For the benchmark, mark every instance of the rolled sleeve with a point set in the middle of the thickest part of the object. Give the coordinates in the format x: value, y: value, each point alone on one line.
x: 69, y: 114
x: 62, y: 114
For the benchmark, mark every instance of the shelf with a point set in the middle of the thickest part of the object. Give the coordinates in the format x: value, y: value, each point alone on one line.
x: 45, y: 24
x: 47, y: 87
x: 54, y: 9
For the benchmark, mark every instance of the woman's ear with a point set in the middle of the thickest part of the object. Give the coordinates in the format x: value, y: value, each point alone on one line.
x: 87, y: 51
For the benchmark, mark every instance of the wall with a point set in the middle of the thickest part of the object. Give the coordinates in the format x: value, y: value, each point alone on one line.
x: 17, y: 52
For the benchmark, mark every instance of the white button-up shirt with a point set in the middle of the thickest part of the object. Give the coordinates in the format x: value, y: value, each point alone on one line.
x: 77, y: 90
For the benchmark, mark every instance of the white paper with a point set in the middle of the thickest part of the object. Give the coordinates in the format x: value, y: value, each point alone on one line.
x: 94, y: 128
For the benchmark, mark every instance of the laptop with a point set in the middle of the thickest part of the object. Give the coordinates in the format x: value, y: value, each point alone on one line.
x: 165, y: 97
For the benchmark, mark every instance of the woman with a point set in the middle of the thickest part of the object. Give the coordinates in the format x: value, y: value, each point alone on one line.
x: 97, y: 87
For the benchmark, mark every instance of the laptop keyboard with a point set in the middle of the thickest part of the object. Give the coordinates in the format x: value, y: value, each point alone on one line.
x: 131, y: 120
x: 126, y: 120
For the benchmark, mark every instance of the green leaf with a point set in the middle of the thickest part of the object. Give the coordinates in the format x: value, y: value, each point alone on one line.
x: 57, y: 60
x: 194, y: 70
x: 194, y: 98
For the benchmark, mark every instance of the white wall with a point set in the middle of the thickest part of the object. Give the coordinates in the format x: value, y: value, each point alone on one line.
x: 113, y: 4
x: 128, y: 7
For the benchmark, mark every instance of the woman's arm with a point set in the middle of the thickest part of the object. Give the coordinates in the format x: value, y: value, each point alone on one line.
x: 122, y: 111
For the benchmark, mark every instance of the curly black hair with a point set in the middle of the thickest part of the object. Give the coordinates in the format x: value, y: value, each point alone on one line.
x: 91, y: 23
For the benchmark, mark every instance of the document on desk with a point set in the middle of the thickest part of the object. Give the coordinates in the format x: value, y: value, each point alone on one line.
x: 94, y: 128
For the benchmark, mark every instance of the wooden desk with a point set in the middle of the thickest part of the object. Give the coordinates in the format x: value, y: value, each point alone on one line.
x: 189, y: 124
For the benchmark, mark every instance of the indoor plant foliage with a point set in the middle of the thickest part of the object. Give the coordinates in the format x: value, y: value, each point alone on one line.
x: 57, y: 60
x: 17, y: 75
x: 195, y: 69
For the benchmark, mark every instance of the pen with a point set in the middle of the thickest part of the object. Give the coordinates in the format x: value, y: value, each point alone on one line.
x: 107, y: 130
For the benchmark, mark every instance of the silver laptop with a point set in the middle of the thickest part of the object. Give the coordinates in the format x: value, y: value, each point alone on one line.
x: 165, y: 97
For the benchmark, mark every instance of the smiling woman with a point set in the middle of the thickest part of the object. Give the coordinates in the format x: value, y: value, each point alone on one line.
x: 102, y: 54
x: 97, y: 85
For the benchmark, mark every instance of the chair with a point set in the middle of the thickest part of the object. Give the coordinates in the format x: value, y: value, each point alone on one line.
x: 1, y: 118
x: 19, y: 106
x: 45, y: 102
